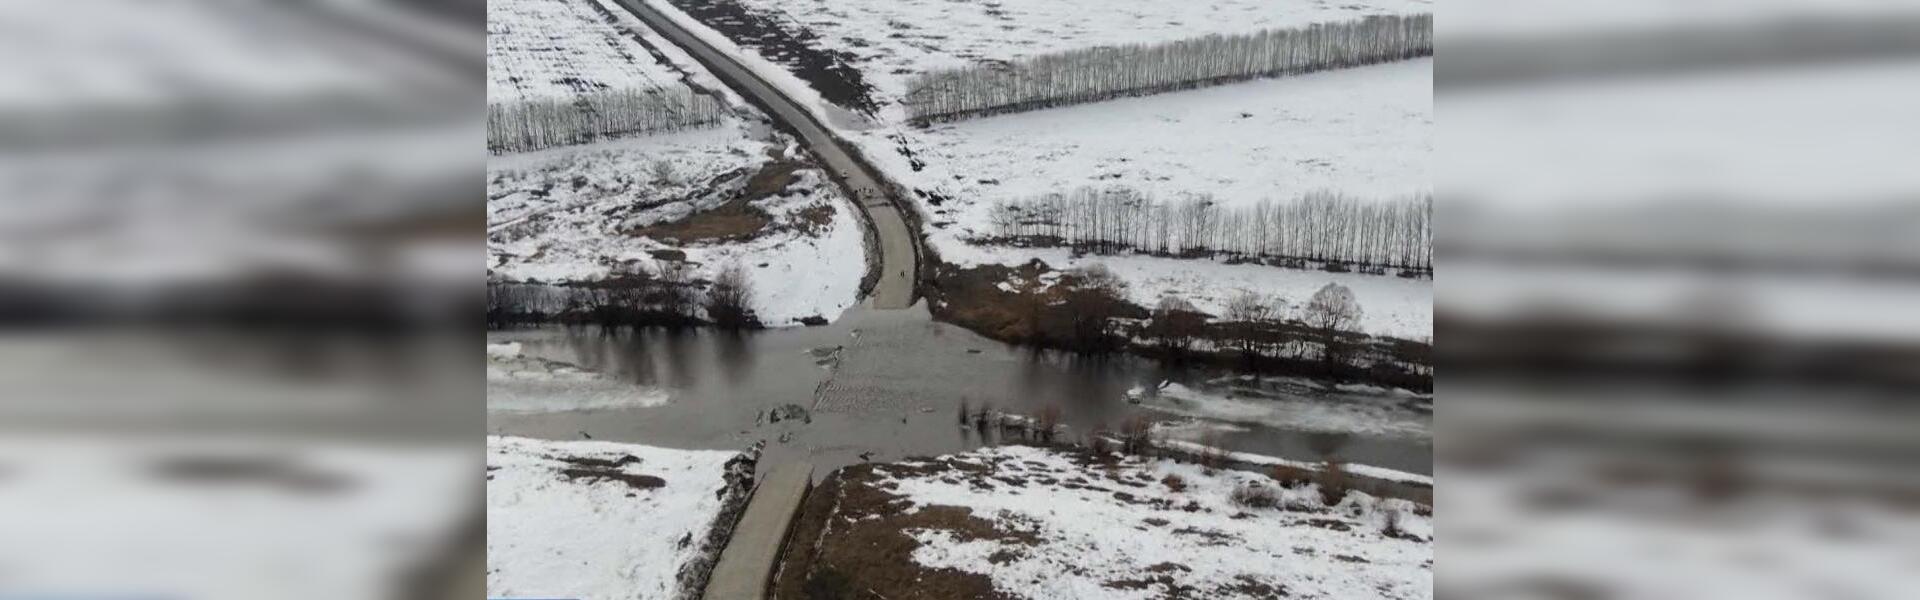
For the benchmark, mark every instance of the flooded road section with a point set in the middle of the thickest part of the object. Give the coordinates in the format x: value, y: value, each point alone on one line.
x: 884, y: 385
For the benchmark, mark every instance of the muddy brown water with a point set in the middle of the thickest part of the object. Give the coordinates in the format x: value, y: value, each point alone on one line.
x: 879, y: 385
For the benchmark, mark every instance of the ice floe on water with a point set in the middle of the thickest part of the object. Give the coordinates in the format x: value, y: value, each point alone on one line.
x: 517, y: 383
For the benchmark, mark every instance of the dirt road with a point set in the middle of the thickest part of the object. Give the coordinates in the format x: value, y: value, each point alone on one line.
x: 895, y: 241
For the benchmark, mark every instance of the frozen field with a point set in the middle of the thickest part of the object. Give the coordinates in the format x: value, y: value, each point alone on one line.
x: 587, y: 213
x: 1046, y: 524
x: 126, y: 53
x: 596, y: 519
x: 890, y: 40
x: 563, y: 48
x: 1364, y: 131
x: 226, y: 516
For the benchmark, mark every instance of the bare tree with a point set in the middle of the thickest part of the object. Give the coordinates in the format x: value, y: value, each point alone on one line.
x: 730, y: 298
x: 532, y: 124
x: 1318, y: 225
x: 673, y: 294
x: 1176, y: 324
x: 1099, y: 73
x: 663, y: 172
x: 1250, y: 306
x: 1333, y: 312
x: 1094, y: 297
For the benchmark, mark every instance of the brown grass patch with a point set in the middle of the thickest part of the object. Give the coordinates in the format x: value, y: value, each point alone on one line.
x: 734, y: 221
x: 851, y: 535
x: 635, y: 481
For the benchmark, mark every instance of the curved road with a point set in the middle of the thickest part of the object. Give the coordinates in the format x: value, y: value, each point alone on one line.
x: 896, y: 243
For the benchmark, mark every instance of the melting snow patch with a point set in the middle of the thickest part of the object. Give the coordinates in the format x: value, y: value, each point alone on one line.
x: 590, y: 519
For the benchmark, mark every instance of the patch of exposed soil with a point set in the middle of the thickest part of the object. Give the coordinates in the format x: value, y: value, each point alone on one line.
x: 781, y: 40
x: 633, y: 480
x: 268, y: 471
x: 850, y: 541
x: 735, y: 220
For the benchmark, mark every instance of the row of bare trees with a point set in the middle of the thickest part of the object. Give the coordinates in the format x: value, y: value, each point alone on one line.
x: 671, y: 297
x: 1321, y: 226
x: 1092, y: 74
x: 533, y: 124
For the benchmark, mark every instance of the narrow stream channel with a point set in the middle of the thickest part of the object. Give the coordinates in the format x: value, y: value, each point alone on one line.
x: 884, y: 385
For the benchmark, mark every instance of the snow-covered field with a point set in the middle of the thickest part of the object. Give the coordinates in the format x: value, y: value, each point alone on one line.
x: 1391, y: 306
x: 894, y: 39
x: 517, y: 383
x: 577, y: 214
x: 1076, y: 529
x: 225, y: 516
x: 129, y: 53
x: 572, y: 215
x: 1366, y: 131
x: 621, y: 525
x: 562, y: 48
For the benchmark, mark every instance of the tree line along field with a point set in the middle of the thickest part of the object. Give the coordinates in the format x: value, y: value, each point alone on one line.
x: 1319, y: 226
x: 564, y: 72
x: 1099, y: 73
x: 538, y: 123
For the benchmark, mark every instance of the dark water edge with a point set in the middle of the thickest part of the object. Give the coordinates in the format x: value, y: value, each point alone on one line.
x: 878, y: 385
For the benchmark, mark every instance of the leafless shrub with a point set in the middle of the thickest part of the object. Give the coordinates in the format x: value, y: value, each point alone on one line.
x: 729, y: 299
x: 1097, y: 442
x: 1176, y: 324
x: 964, y: 418
x: 1174, y: 483
x: 1047, y: 425
x: 1136, y: 436
x: 1333, y: 312
x: 1212, y: 455
x: 1255, y: 495
x: 983, y: 420
x: 663, y: 172
x: 1334, y: 482
x: 1095, y: 296
x: 1290, y: 476
x: 1248, y: 306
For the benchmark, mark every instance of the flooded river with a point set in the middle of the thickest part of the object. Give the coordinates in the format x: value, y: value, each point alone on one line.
x: 884, y: 385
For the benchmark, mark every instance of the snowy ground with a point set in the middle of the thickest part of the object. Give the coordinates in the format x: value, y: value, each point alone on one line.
x: 1658, y: 536
x: 1291, y: 404
x: 895, y: 39
x: 1391, y: 306
x: 1366, y: 131
x: 575, y: 214
x: 1069, y: 528
x: 517, y: 383
x: 225, y: 517
x: 621, y: 526
x: 571, y: 215
x: 128, y: 53
x: 562, y: 48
